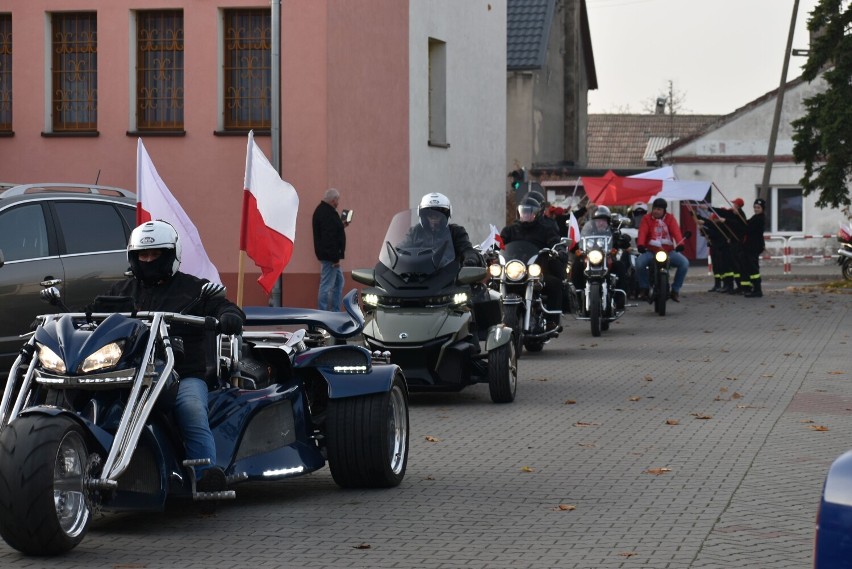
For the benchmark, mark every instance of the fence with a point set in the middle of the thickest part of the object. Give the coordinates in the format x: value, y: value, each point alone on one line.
x: 795, y: 248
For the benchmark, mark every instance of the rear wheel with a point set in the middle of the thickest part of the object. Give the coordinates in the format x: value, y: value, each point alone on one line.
x: 503, y: 373
x: 44, y: 509
x: 367, y: 438
x: 847, y: 269
x: 662, y: 293
x: 595, y: 308
x: 513, y: 319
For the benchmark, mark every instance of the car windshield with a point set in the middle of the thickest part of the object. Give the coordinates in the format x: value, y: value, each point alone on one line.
x: 409, y: 247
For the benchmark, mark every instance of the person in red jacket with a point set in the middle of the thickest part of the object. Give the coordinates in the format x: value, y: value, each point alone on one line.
x: 660, y: 231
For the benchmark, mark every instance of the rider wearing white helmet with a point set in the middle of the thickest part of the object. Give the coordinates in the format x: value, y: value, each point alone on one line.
x: 154, y: 253
x: 435, y: 211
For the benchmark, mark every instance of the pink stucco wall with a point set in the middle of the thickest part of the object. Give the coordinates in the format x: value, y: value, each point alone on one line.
x: 344, y: 123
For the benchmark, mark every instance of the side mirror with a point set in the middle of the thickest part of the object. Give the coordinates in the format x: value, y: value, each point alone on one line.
x: 364, y: 276
x: 470, y: 275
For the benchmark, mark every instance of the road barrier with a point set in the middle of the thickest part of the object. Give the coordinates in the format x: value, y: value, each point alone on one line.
x: 789, y: 249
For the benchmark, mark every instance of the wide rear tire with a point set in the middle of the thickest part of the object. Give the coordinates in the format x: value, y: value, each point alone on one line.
x: 595, y: 308
x: 503, y: 373
x: 847, y: 269
x: 367, y: 438
x: 44, y: 509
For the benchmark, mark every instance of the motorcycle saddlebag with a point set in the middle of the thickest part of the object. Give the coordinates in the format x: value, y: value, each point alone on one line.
x: 487, y: 309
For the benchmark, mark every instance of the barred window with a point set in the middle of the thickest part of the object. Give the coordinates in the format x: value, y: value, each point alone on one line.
x: 74, y: 100
x: 159, y: 70
x: 247, y: 69
x: 5, y: 72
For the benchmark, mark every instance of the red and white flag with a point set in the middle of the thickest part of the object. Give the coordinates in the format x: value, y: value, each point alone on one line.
x: 492, y: 239
x: 268, y: 228
x: 155, y: 201
x: 573, y: 229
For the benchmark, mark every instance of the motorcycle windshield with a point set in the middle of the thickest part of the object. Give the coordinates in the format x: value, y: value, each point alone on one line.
x: 411, y: 248
x: 520, y: 250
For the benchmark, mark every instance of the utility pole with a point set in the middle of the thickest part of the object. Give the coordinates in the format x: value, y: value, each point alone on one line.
x: 779, y: 101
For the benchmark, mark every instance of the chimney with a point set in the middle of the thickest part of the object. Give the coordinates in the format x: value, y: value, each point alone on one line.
x: 661, y: 106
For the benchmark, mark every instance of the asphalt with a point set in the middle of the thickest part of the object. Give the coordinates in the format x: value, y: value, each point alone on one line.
x: 698, y: 440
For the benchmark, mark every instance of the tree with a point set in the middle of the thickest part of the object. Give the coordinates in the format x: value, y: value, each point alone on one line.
x: 822, y: 138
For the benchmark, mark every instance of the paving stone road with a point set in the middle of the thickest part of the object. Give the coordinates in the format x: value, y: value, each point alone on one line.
x: 582, y: 471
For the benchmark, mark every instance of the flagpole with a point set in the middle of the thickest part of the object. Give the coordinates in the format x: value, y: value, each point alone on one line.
x: 240, y: 278
x: 275, y: 120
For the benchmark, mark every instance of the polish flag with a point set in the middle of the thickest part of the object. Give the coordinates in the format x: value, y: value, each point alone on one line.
x: 155, y: 201
x: 268, y: 228
x: 573, y: 229
x: 492, y: 239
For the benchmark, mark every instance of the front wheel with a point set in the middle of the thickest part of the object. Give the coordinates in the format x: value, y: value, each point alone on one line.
x: 847, y: 269
x: 595, y: 308
x: 662, y: 293
x: 44, y: 509
x: 513, y: 319
x: 503, y: 373
x: 368, y: 438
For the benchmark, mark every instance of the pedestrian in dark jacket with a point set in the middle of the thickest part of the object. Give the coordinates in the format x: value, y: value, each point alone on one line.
x: 753, y: 246
x: 329, y: 246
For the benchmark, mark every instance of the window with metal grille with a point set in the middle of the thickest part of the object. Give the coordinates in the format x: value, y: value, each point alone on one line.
x: 74, y: 99
x: 247, y: 69
x: 159, y: 70
x: 5, y: 72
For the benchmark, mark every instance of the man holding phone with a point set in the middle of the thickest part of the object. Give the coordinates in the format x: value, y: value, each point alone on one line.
x: 330, y: 246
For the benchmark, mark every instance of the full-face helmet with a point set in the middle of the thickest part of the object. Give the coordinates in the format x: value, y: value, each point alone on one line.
x: 431, y: 204
x: 528, y: 210
x: 154, y: 235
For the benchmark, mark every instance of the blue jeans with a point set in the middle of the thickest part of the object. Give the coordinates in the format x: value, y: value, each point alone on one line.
x: 678, y: 261
x: 191, y: 414
x: 330, y: 287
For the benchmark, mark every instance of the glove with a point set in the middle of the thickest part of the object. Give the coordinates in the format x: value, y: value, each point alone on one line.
x: 641, y: 249
x: 230, y: 324
x: 679, y: 248
x: 471, y: 262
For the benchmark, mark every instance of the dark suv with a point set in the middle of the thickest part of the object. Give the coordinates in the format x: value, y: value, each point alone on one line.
x: 72, y: 236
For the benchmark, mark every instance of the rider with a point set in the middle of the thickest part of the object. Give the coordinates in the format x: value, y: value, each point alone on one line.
x: 530, y: 227
x: 434, y: 211
x: 601, y: 224
x: 659, y: 231
x: 154, y: 252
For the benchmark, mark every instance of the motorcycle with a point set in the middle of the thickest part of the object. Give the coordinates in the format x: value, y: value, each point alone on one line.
x: 86, y: 424
x: 516, y: 274
x: 844, y: 254
x: 434, y: 318
x: 600, y: 301
x: 659, y: 288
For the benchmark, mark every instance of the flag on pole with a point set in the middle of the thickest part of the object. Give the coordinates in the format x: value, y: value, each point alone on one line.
x: 155, y: 201
x: 492, y: 239
x: 573, y: 229
x: 268, y: 228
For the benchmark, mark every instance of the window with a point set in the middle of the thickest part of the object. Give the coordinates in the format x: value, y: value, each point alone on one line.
x: 23, y: 233
x: 437, y: 93
x: 5, y: 72
x: 74, y: 47
x: 90, y: 227
x: 247, y: 69
x: 159, y: 70
x: 784, y: 211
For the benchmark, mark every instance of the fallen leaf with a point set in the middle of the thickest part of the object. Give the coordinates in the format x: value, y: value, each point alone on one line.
x: 672, y: 422
x: 657, y: 471
x: 731, y: 378
x: 648, y: 378
x: 584, y: 424
x: 806, y: 421
x: 587, y: 445
x: 723, y: 390
x: 362, y: 546
x: 817, y: 428
x: 566, y: 507
x: 527, y: 469
x: 432, y: 439
x: 736, y: 395
x: 570, y: 401
x: 702, y: 416
x: 628, y: 553
x: 836, y: 372
x: 635, y: 398
x: 429, y: 478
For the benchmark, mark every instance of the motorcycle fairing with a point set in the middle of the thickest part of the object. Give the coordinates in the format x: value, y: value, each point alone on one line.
x: 339, y: 324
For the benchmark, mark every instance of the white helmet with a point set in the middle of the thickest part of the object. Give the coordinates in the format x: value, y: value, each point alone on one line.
x: 154, y: 235
x: 434, y: 202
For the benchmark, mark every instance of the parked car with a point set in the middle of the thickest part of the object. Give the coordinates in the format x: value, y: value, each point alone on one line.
x: 71, y: 236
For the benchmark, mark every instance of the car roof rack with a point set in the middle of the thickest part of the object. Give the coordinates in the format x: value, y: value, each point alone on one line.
x: 92, y: 189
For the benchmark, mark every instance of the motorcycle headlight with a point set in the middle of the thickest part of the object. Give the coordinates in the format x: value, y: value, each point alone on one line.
x: 535, y: 270
x: 49, y: 360
x: 460, y: 298
x: 661, y: 256
x: 371, y: 299
x: 495, y: 270
x: 515, y: 270
x: 104, y: 358
x: 595, y: 256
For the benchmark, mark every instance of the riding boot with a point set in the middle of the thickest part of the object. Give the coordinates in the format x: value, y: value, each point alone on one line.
x: 756, y: 291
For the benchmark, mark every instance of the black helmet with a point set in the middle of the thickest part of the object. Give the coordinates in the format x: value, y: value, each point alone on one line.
x: 602, y: 213
x: 528, y: 210
x: 661, y: 203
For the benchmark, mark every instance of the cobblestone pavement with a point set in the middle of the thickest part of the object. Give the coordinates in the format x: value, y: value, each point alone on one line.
x: 685, y: 441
